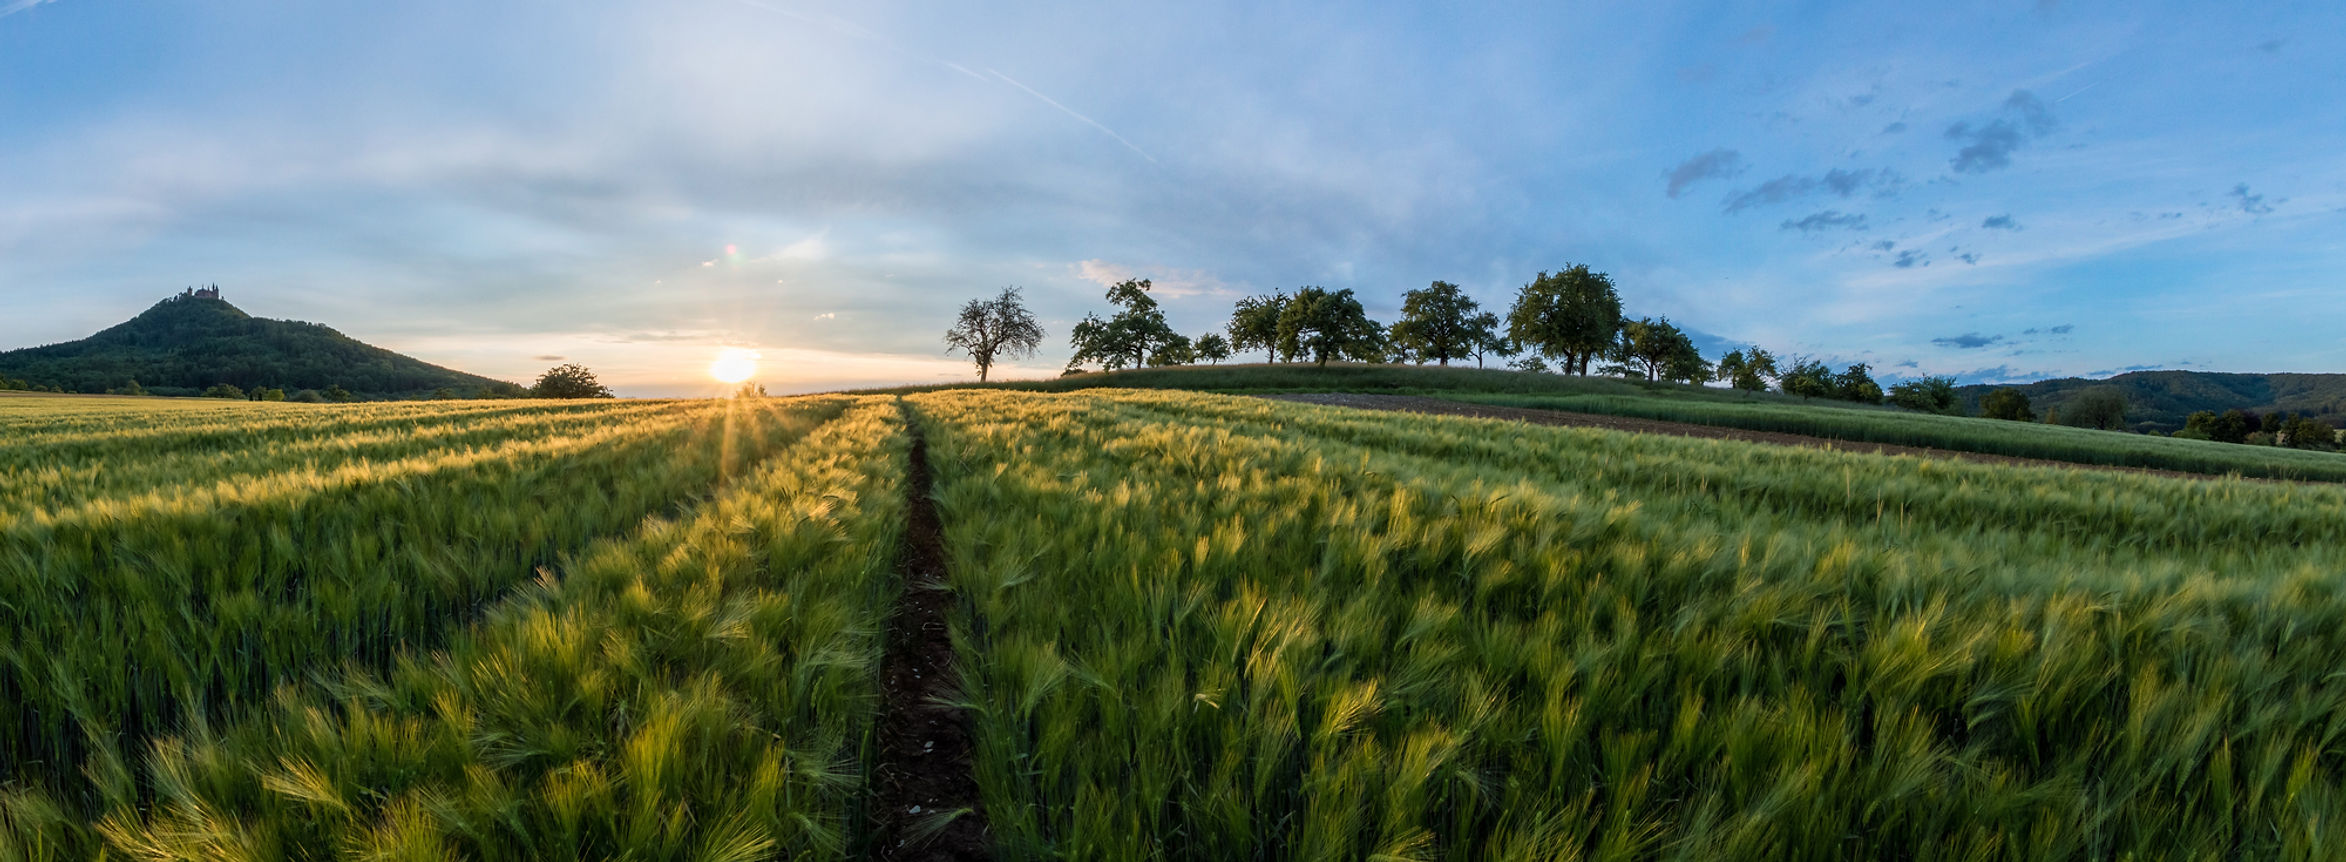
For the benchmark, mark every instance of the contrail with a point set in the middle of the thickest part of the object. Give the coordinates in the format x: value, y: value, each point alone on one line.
x: 1072, y: 113
x: 2081, y: 90
x: 886, y: 44
x: 21, y: 5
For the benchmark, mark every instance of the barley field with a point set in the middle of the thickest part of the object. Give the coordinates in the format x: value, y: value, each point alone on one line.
x: 1186, y: 626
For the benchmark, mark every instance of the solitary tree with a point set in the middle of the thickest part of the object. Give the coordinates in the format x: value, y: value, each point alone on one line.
x: 569, y: 380
x: 1573, y: 315
x: 1439, y: 323
x: 1254, y: 323
x: 991, y: 329
x: 2008, y: 404
x: 1324, y: 325
x: 1661, y: 351
x: 1749, y: 372
x: 1126, y: 339
x: 1213, y: 348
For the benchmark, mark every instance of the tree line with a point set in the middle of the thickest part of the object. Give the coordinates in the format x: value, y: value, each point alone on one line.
x: 1570, y: 321
x: 1567, y: 321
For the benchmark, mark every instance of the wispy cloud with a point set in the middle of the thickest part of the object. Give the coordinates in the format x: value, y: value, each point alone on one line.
x: 2250, y: 204
x: 1989, y: 146
x: 1827, y: 220
x: 2000, y: 222
x: 1968, y: 341
x: 1076, y: 114
x: 1837, y: 182
x: 1718, y: 164
x: 892, y: 46
x: 20, y: 5
x: 1167, y: 282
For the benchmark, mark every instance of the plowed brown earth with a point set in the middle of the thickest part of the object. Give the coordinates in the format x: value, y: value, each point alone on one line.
x: 1418, y: 404
x: 924, y: 797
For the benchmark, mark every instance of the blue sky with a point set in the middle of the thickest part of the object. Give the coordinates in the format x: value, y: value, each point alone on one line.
x: 1999, y: 191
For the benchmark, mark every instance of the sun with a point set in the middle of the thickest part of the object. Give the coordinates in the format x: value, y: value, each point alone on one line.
x: 734, y: 365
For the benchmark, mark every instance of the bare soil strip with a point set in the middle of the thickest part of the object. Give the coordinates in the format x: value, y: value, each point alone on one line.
x: 1418, y: 404
x: 924, y: 797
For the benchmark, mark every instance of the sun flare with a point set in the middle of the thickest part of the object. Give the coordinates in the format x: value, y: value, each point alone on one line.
x: 734, y: 365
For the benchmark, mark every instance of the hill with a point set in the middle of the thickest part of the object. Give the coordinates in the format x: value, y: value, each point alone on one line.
x: 1769, y: 412
x: 2160, y: 400
x: 189, y: 342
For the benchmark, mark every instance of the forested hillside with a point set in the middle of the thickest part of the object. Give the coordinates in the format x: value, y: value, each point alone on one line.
x: 191, y: 342
x: 2162, y: 399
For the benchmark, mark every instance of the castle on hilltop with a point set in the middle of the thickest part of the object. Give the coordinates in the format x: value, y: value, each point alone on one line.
x: 212, y: 292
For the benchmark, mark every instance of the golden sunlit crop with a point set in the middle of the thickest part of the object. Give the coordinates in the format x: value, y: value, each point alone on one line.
x: 734, y: 365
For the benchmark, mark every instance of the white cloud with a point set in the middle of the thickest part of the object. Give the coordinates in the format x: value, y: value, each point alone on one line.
x: 1165, y: 282
x: 813, y: 248
x: 21, y: 5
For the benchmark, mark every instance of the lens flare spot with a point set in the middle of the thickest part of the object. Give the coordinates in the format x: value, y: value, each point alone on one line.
x: 734, y: 365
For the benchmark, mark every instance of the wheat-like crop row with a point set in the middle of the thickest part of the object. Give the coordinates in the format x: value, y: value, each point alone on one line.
x: 1211, y: 628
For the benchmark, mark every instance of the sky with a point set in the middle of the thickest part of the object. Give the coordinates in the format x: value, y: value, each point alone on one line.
x: 1998, y: 191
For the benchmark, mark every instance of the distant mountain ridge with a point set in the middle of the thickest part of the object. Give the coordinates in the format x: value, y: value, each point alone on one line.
x: 196, y: 340
x: 2162, y: 399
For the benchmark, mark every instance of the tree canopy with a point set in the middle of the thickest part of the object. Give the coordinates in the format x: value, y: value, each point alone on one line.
x: 2008, y: 404
x: 1254, y: 324
x: 1661, y: 351
x: 1928, y: 395
x: 1809, y: 378
x: 1749, y: 371
x: 1212, y: 347
x: 1441, y: 323
x: 1327, y: 325
x: 1573, y: 315
x: 2102, y: 407
x: 1125, y: 339
x: 992, y: 329
x: 569, y: 380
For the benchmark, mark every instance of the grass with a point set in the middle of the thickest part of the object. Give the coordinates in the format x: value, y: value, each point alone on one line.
x: 124, y: 617
x: 1257, y: 378
x: 1761, y: 411
x: 1190, y: 627
x: 1209, y: 628
x: 702, y: 689
x: 1963, y: 434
